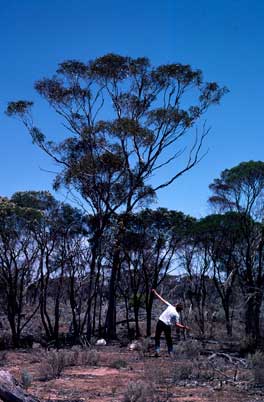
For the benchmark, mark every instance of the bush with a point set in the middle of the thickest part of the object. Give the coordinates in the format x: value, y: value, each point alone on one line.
x: 118, y: 364
x: 190, y: 348
x: 183, y: 372
x: 73, y: 357
x: 26, y: 379
x: 54, y: 365
x: 89, y: 357
x: 138, y: 391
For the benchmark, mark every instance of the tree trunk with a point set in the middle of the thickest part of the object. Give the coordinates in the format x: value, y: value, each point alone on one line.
x: 149, y: 311
x: 110, y: 322
x: 252, y: 317
x: 136, y: 315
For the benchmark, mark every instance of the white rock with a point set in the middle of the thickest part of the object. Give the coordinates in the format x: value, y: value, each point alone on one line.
x: 134, y: 345
x: 101, y: 342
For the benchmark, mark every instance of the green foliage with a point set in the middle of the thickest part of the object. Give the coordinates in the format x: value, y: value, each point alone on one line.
x: 18, y: 108
x: 39, y: 200
x: 110, y: 161
x: 240, y: 187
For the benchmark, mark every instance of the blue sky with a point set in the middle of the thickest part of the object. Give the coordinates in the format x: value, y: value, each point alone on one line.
x: 225, y: 39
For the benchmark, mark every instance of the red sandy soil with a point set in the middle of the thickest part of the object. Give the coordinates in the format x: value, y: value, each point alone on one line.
x: 105, y: 383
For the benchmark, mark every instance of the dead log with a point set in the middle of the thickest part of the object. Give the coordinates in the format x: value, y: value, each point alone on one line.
x: 10, y: 390
x: 232, y: 359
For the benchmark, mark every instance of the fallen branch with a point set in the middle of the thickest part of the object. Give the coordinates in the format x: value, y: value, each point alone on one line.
x: 231, y: 359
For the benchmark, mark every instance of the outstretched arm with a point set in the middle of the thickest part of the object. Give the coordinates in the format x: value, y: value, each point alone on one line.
x: 182, y: 326
x: 159, y: 297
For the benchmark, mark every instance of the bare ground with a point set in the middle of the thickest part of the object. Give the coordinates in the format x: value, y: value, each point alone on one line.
x: 182, y: 379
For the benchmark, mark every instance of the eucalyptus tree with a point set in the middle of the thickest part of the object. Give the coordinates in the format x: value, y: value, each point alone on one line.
x: 149, y: 248
x: 241, y: 189
x: 66, y: 267
x: 57, y: 237
x: 18, y: 258
x: 221, y: 235
x: 127, y: 120
x: 194, y: 260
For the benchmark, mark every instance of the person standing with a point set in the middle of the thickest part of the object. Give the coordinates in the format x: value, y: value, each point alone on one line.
x: 169, y: 317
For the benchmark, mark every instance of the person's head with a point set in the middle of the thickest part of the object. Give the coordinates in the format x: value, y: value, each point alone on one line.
x: 179, y: 307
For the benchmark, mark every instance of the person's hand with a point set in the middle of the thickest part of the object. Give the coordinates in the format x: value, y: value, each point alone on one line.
x: 187, y: 328
x: 153, y: 290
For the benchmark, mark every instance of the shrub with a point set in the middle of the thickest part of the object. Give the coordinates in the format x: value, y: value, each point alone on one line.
x: 183, y: 372
x: 89, y: 357
x: 138, y: 391
x: 73, y: 357
x: 26, y: 379
x: 118, y: 364
x: 56, y: 361
x: 54, y: 365
x: 190, y: 348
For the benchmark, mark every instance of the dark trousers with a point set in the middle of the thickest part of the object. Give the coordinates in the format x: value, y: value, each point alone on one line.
x: 161, y: 327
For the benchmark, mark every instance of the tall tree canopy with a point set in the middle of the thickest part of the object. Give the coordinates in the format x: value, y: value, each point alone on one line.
x: 240, y: 189
x: 126, y: 120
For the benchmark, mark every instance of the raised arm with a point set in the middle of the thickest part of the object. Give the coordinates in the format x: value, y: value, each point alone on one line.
x: 159, y: 297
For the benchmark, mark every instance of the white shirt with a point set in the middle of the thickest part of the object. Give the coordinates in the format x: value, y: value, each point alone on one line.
x: 170, y: 316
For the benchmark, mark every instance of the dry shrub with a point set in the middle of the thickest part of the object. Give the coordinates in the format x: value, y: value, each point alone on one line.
x: 56, y: 361
x: 193, y: 370
x: 73, y: 357
x: 184, y: 372
x: 118, y: 364
x: 54, y: 365
x: 89, y: 357
x: 138, y: 391
x: 189, y: 348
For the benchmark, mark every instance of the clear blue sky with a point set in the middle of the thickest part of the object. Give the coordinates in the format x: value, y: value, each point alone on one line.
x: 223, y: 38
